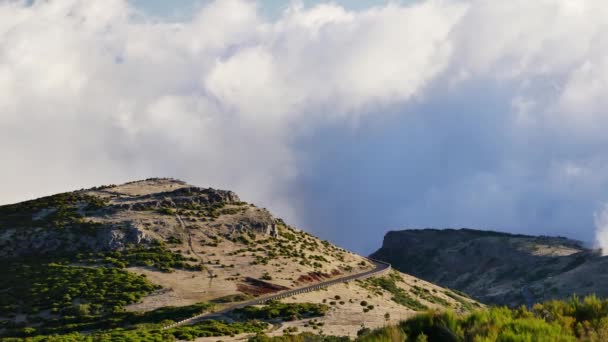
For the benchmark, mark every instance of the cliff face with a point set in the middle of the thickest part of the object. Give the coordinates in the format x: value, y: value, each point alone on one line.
x: 497, y: 267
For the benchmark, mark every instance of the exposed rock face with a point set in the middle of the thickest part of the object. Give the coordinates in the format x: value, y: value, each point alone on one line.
x: 271, y: 230
x: 182, y: 197
x: 120, y: 238
x: 497, y: 267
x: 19, y: 243
x: 262, y: 223
x: 114, y: 217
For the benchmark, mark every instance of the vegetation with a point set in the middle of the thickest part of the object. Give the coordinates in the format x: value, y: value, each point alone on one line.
x: 124, y: 319
x: 61, y: 210
x: 569, y: 320
x: 282, y: 311
x: 290, y: 244
x: 304, y: 337
x: 239, y: 297
x: 314, y: 324
x: 217, y: 328
x: 204, y: 329
x: 157, y: 257
x: 70, y: 290
x: 428, y: 296
x: 388, y: 334
x: 73, y: 289
x: 460, y: 298
x: 495, y: 324
x: 400, y: 296
x: 60, y: 297
x: 553, y: 321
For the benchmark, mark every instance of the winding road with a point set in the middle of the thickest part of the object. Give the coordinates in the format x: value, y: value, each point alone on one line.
x: 380, y: 267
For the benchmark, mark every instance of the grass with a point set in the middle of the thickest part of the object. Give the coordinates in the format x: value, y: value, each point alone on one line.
x: 428, y: 296
x: 207, y: 328
x: 400, y: 296
x: 458, y: 296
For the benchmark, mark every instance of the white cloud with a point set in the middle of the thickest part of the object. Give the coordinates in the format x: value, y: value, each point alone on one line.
x: 601, y: 229
x: 94, y: 92
x: 212, y: 91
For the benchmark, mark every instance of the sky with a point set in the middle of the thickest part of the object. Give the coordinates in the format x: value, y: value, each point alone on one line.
x: 272, y: 9
x: 347, y: 120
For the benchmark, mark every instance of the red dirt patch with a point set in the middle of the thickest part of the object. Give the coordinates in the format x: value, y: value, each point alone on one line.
x: 256, y: 287
x: 315, y: 277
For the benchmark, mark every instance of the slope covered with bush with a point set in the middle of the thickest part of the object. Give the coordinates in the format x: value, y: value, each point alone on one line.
x: 553, y: 321
x: 122, y: 261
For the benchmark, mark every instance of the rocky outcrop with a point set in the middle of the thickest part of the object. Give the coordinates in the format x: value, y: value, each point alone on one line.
x: 119, y: 238
x: 41, y: 241
x: 271, y: 230
x: 131, y: 214
x: 183, y: 197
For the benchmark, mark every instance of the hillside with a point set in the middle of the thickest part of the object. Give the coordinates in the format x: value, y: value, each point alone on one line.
x: 574, y: 319
x: 495, y: 267
x: 144, y: 254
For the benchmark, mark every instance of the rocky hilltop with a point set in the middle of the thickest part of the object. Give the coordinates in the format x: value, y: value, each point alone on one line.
x: 496, y: 267
x: 157, y: 251
x: 114, y: 217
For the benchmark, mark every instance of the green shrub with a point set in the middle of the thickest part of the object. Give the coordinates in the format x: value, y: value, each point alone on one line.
x: 283, y: 311
x: 399, y: 295
x: 166, y: 211
x: 38, y: 287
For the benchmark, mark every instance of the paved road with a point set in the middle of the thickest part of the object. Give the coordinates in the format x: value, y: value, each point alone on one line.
x: 379, y: 268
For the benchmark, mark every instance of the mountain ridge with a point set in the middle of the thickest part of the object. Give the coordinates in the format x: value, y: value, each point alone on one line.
x: 497, y: 267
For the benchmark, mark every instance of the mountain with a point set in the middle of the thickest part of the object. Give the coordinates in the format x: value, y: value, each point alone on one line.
x: 498, y: 268
x: 142, y: 255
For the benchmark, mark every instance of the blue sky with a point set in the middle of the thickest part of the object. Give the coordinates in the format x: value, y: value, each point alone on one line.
x: 345, y: 122
x: 271, y: 8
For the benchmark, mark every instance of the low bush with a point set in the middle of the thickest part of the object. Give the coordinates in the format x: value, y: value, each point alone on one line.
x: 283, y: 311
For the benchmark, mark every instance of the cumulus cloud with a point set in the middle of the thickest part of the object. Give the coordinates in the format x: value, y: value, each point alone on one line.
x: 437, y: 113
